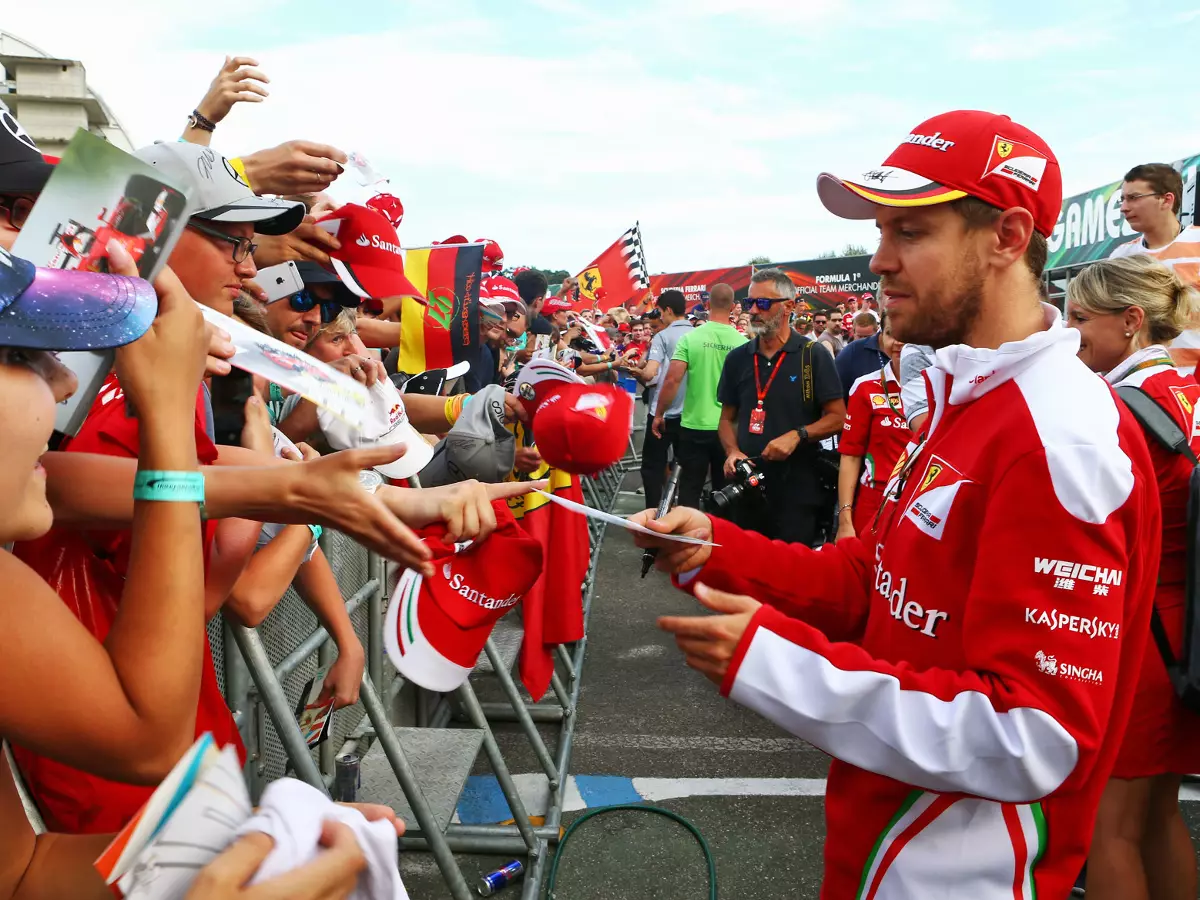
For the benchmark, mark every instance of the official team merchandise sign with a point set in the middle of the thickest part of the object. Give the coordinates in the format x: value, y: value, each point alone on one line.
x: 824, y: 283
x: 696, y: 285
x: 437, y: 626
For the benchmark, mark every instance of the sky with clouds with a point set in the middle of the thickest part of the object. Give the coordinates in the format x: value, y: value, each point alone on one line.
x: 552, y: 125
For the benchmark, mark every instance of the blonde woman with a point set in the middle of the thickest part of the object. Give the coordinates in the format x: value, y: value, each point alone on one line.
x: 1127, y: 312
x: 332, y: 341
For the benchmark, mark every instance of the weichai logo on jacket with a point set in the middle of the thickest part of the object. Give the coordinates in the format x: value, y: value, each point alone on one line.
x: 930, y: 504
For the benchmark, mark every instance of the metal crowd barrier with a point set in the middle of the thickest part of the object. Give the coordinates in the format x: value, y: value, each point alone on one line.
x: 264, y: 670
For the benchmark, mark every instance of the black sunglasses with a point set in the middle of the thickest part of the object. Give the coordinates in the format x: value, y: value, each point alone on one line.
x: 763, y: 303
x: 242, y: 247
x: 305, y: 300
x: 18, y: 209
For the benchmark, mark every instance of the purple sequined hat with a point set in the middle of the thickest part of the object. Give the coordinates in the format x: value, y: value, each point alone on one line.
x: 58, y: 309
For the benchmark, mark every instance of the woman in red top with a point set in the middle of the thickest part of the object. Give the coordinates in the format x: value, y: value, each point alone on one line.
x: 874, y: 436
x: 1127, y: 311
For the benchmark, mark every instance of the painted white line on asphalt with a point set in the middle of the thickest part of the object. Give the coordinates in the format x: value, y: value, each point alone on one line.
x: 672, y: 788
x: 695, y: 743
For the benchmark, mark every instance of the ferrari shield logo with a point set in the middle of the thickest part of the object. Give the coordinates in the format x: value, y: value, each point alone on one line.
x: 441, y: 307
x: 1003, y: 148
x: 590, y: 282
x: 931, y: 474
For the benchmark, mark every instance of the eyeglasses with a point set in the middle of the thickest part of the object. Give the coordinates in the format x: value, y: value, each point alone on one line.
x: 18, y: 209
x: 242, y: 247
x: 304, y: 301
x: 1129, y: 198
x: 763, y: 303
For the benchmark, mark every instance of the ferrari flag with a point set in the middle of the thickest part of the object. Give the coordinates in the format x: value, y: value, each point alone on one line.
x: 618, y: 276
x: 443, y: 328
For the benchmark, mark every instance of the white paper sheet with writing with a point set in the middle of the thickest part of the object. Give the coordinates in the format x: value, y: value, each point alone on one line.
x: 201, y: 827
x: 293, y: 369
x: 621, y: 522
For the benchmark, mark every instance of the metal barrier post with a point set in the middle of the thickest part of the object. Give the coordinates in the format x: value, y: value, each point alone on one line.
x: 271, y: 690
x: 412, y: 791
x: 375, y: 571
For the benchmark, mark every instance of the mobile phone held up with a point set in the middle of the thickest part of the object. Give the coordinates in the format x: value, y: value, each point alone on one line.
x: 229, y: 395
x: 280, y: 281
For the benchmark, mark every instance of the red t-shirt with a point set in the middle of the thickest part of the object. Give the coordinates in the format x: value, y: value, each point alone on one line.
x: 70, y: 800
x: 875, y: 427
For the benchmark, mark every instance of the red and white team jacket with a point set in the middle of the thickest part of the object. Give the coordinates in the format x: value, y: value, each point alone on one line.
x: 877, y: 431
x: 971, y: 667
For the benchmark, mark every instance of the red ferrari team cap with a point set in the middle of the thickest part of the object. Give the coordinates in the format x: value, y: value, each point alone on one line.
x: 583, y: 428
x: 501, y: 294
x: 369, y: 261
x: 437, y: 626
x: 557, y: 304
x: 965, y: 153
x: 538, y: 378
x: 493, y: 256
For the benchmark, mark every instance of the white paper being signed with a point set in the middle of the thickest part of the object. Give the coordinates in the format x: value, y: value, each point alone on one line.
x: 593, y: 513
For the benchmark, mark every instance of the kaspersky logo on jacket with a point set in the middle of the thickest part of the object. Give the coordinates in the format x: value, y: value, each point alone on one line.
x: 930, y: 505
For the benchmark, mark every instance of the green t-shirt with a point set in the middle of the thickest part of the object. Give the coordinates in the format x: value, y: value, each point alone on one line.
x: 704, y: 350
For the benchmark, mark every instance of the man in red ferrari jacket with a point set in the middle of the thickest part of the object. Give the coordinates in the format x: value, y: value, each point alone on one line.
x: 969, y: 665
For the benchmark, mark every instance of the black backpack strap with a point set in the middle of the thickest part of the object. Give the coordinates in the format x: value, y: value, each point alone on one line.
x: 1162, y: 427
x: 1157, y: 422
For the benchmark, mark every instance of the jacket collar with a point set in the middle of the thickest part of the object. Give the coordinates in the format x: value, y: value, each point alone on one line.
x: 962, y: 374
x: 1131, y: 362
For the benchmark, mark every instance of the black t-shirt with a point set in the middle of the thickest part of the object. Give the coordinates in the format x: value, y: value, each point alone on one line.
x: 784, y: 403
x: 539, y: 324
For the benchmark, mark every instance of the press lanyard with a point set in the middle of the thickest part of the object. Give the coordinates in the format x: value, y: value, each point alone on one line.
x: 758, y: 389
x: 1149, y: 364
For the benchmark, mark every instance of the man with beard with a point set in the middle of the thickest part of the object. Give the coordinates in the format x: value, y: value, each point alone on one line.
x: 941, y: 660
x: 779, y: 400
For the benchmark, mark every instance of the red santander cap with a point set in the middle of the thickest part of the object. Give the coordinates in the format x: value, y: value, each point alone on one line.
x: 437, y: 626
x: 493, y: 256
x: 965, y: 153
x: 369, y: 261
x: 583, y: 428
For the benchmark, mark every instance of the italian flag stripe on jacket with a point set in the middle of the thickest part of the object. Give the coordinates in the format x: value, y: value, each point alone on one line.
x: 971, y: 665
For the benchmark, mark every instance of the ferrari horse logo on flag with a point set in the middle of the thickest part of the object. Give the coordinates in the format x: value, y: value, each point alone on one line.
x: 441, y: 308
x: 590, y: 282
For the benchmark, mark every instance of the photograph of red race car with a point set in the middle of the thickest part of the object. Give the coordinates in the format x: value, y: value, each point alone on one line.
x: 136, y: 219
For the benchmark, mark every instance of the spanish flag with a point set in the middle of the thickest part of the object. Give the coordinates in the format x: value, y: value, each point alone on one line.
x: 444, y: 328
x: 552, y: 609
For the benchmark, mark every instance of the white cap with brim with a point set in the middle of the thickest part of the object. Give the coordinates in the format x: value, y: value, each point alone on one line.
x: 219, y: 190
x: 385, y: 424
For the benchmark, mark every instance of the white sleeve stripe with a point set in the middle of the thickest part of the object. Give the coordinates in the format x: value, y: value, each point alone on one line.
x: 867, y: 719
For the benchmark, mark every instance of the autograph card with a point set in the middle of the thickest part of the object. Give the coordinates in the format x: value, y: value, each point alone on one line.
x: 314, y: 714
x: 293, y: 369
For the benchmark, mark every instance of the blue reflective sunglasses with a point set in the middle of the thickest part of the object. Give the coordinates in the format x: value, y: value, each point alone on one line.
x: 763, y: 303
x: 304, y: 301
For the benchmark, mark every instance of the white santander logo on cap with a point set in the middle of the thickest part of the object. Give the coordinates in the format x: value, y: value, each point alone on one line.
x: 479, y: 598
x: 377, y: 241
x: 363, y: 241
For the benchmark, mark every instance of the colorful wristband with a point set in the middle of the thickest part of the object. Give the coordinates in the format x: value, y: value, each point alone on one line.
x: 316, y: 531
x: 171, y: 487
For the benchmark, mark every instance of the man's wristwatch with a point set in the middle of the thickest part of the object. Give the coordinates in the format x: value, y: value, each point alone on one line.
x: 196, y: 120
x: 803, y: 432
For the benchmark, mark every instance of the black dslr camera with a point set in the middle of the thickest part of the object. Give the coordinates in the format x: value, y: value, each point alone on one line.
x: 748, y: 479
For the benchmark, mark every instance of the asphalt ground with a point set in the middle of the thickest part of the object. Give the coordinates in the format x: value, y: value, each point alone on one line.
x: 643, y: 713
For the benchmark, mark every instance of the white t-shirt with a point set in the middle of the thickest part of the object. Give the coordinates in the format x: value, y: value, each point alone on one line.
x: 1182, y: 255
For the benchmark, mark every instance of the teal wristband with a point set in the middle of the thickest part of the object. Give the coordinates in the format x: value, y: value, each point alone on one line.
x: 171, y: 487
x: 317, y: 531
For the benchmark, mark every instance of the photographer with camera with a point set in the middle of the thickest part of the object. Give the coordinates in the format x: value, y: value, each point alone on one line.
x: 779, y: 400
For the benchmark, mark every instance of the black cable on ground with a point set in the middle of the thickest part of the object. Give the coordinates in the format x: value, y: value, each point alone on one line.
x: 657, y: 810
